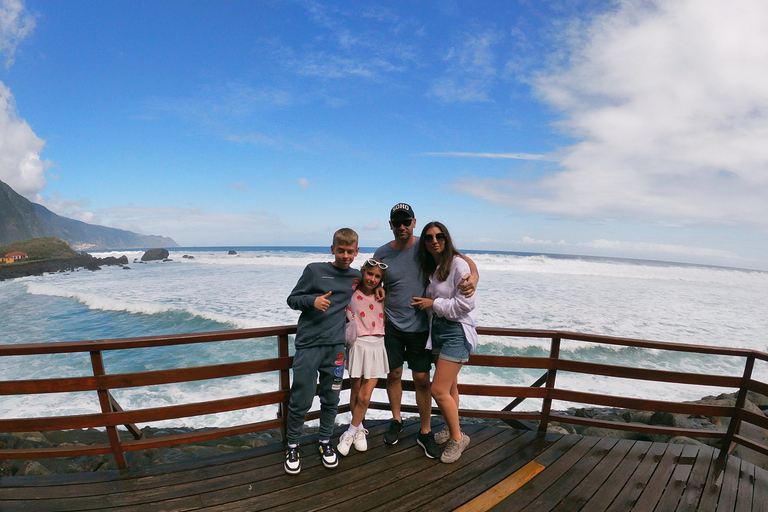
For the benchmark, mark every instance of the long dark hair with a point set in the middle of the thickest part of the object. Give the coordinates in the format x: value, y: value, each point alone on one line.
x: 427, y: 264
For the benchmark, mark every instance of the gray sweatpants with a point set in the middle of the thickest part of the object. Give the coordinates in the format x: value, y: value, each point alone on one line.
x: 328, y: 361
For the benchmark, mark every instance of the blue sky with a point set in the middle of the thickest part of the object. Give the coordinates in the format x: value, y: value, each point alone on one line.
x: 614, y: 128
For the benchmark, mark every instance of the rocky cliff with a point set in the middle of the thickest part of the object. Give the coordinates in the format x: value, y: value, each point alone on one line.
x: 21, y: 219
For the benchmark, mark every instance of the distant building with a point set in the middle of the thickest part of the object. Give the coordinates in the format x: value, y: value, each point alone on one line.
x: 6, y: 260
x: 16, y: 256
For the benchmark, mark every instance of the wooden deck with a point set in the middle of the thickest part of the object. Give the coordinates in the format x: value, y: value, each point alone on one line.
x: 501, y: 470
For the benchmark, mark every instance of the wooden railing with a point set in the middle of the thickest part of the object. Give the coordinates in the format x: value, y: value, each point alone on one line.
x: 545, y: 388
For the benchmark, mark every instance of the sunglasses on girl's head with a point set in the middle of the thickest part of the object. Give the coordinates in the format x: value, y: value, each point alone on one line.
x: 374, y: 263
x: 440, y: 237
x: 401, y: 223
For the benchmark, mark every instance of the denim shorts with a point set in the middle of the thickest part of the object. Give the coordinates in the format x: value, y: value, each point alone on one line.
x: 449, y: 341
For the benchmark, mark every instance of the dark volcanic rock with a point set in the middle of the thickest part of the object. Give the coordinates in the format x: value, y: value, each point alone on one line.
x: 232, y: 252
x: 38, y: 268
x: 155, y: 254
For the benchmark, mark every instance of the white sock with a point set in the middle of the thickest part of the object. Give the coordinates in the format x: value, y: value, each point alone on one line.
x: 352, y: 429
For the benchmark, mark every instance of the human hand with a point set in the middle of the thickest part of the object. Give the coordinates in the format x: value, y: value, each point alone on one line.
x: 468, y: 284
x: 379, y: 293
x: 422, y: 302
x: 322, y: 302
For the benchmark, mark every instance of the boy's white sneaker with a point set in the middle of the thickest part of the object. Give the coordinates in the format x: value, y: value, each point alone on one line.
x: 361, y: 443
x: 292, y: 464
x: 345, y: 442
x: 328, y: 455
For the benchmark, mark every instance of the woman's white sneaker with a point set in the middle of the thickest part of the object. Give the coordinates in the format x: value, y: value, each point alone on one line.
x: 443, y: 436
x: 453, y: 451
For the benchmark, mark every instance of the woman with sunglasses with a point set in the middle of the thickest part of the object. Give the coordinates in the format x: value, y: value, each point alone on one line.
x: 452, y: 334
x: 367, y: 360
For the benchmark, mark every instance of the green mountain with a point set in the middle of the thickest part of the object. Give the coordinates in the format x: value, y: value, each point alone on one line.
x: 21, y: 219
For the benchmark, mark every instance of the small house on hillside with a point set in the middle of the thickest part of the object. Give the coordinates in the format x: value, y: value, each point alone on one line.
x: 6, y: 260
x: 16, y: 256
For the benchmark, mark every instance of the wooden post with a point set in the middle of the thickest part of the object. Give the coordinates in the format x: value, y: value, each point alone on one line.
x: 285, y: 381
x: 741, y: 398
x: 132, y: 428
x: 106, y: 406
x: 524, y: 424
x: 546, y: 405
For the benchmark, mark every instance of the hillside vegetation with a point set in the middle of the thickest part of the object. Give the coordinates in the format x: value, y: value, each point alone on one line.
x: 40, y: 248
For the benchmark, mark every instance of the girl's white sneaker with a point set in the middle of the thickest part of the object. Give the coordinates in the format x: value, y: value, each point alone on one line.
x: 361, y: 443
x: 345, y: 442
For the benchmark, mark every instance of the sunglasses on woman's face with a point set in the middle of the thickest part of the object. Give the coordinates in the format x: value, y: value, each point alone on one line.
x: 440, y: 237
x: 401, y: 223
x: 372, y: 262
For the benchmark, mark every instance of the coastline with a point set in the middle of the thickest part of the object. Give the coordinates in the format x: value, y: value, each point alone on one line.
x: 37, y: 268
x: 18, y: 467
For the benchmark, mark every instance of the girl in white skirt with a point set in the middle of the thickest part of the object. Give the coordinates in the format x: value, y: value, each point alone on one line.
x: 367, y: 359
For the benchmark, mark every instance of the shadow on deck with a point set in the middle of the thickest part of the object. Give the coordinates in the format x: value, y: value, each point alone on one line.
x: 501, y: 470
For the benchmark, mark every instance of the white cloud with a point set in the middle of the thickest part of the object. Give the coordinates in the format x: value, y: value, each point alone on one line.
x: 471, y: 69
x: 628, y: 248
x: 259, y: 139
x: 648, y: 247
x: 240, y: 186
x: 195, y: 226
x: 526, y: 240
x: 20, y: 164
x: 512, y: 156
x: 15, y: 26
x: 667, y: 100
x: 70, y: 209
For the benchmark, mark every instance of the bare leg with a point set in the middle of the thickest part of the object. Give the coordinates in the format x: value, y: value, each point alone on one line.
x: 423, y: 400
x: 395, y: 392
x: 445, y: 376
x: 363, y: 400
x: 354, y: 390
x: 455, y: 390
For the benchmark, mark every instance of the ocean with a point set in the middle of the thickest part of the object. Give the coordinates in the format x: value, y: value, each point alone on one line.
x: 213, y: 290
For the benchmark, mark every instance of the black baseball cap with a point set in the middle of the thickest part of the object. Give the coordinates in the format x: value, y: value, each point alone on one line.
x: 401, y: 210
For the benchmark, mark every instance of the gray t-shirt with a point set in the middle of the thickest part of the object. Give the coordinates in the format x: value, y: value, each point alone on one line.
x: 317, y: 328
x: 401, y: 284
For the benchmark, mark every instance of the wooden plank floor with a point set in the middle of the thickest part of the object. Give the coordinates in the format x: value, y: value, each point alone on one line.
x: 501, y: 470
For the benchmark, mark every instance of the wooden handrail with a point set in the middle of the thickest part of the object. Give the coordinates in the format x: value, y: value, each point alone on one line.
x: 545, y: 389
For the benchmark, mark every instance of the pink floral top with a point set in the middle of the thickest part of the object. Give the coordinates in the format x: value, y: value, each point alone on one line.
x: 368, y: 313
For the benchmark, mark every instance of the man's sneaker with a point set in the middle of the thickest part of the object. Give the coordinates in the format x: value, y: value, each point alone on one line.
x: 292, y: 464
x: 392, y: 435
x: 427, y: 441
x: 453, y: 451
x: 328, y: 454
x: 443, y: 436
x: 345, y: 442
x: 361, y: 443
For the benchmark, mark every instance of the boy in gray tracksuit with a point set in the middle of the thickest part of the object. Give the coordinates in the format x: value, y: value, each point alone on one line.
x: 322, y: 294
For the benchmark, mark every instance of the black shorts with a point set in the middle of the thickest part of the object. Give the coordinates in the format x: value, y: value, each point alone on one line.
x: 407, y: 346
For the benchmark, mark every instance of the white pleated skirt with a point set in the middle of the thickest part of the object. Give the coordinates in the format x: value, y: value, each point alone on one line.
x: 368, y: 358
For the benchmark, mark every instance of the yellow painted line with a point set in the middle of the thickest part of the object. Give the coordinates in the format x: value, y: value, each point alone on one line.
x: 503, y: 489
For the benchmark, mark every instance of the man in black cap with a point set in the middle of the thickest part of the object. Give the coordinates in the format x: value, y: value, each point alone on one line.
x: 406, y: 327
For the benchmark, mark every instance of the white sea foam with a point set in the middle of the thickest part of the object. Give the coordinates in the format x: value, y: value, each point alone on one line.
x: 215, y: 290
